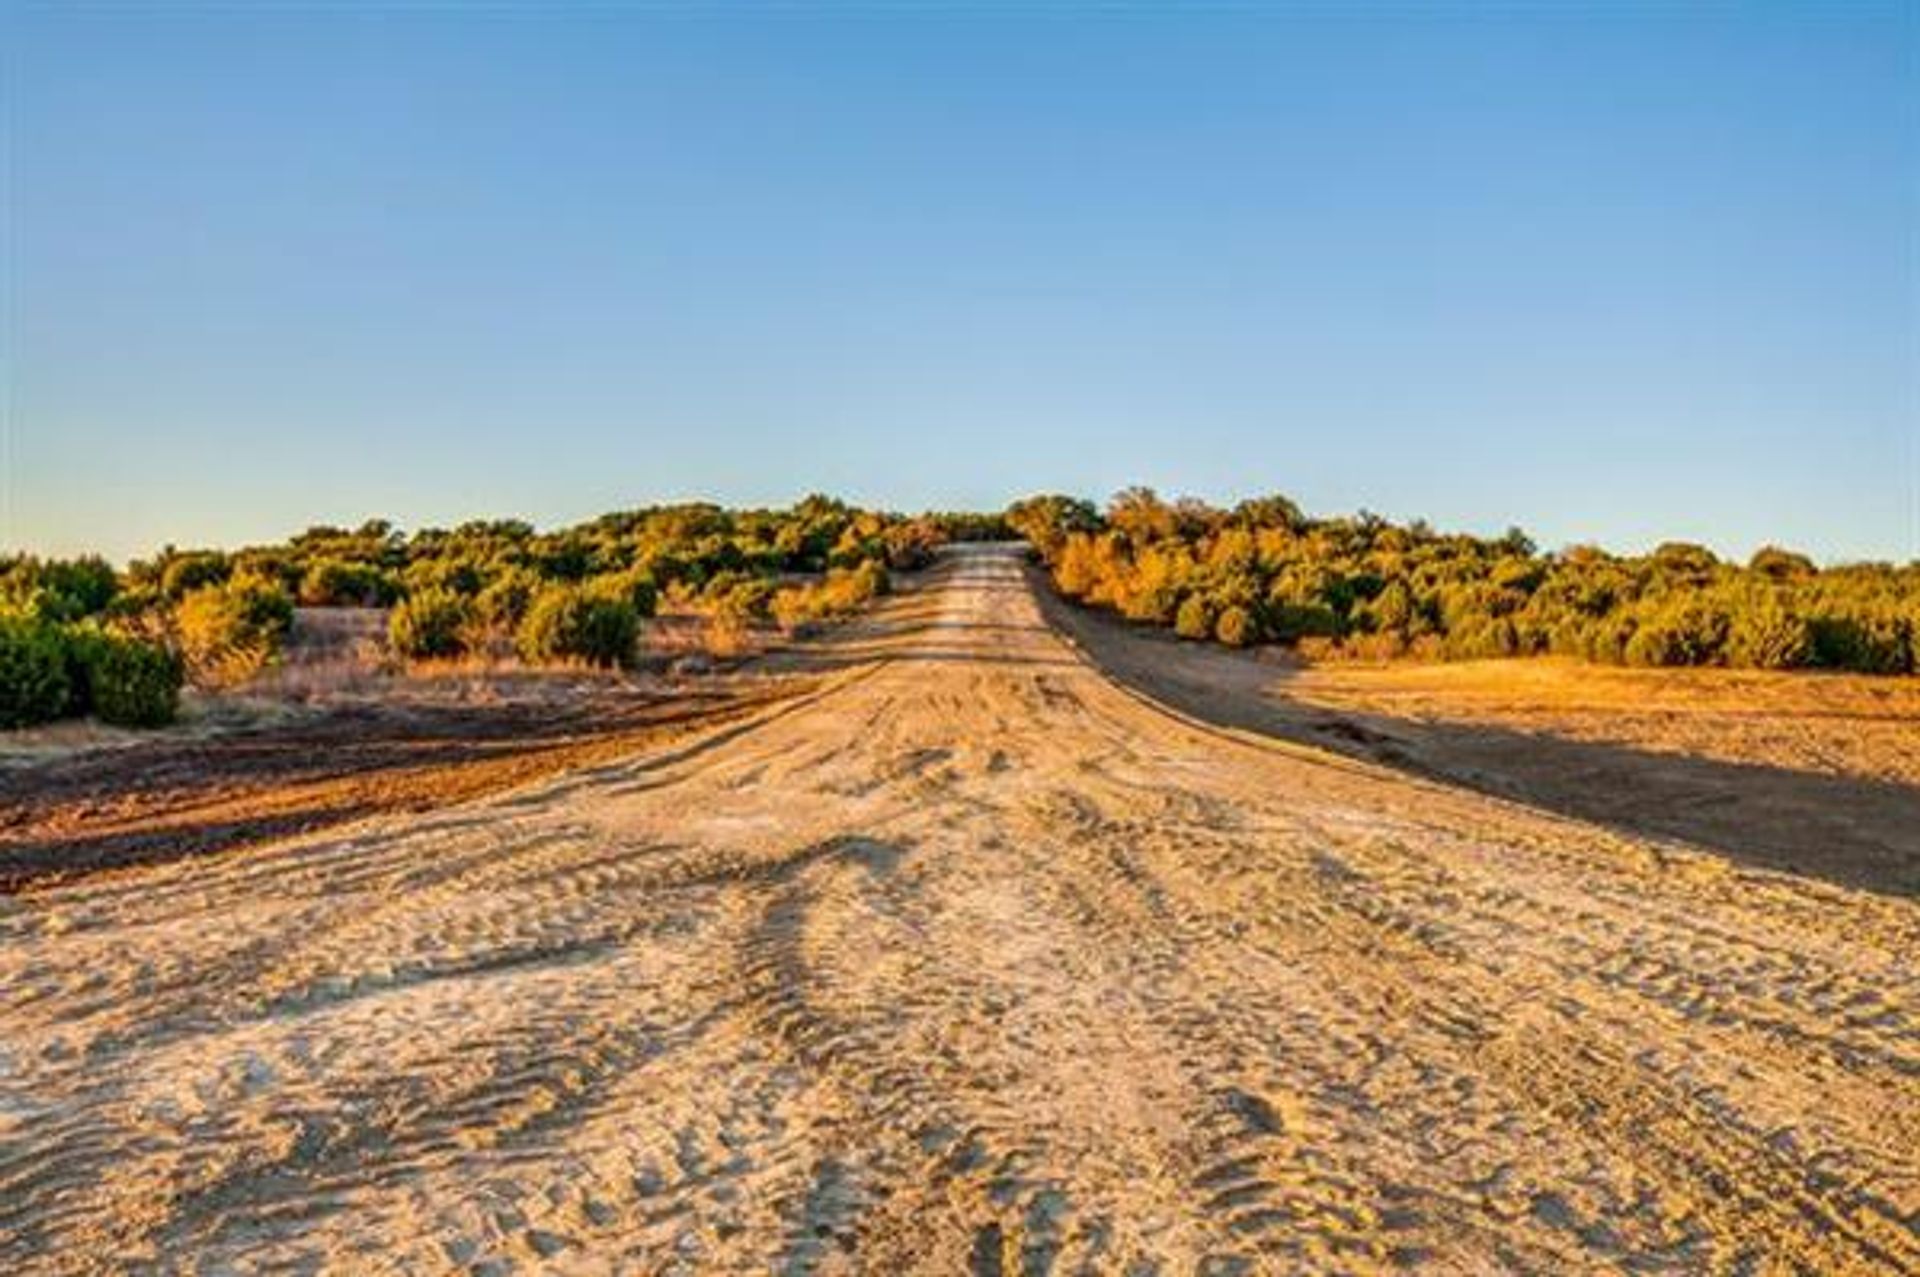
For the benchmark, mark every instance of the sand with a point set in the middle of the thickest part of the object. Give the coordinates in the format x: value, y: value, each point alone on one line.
x: 969, y: 960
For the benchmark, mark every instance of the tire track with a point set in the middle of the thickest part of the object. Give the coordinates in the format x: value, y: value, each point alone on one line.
x: 969, y: 961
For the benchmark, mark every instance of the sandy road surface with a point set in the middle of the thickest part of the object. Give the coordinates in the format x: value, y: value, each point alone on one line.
x: 968, y: 962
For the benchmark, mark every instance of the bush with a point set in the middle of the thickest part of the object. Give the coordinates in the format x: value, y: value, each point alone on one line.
x: 1683, y: 561
x: 1651, y: 645
x: 794, y: 608
x: 35, y: 685
x: 738, y: 595
x: 1392, y: 610
x: 503, y: 604
x: 337, y: 583
x: 570, y: 623
x: 125, y: 681
x: 430, y: 625
x: 636, y: 586
x: 843, y: 592
x: 1867, y: 639
x: 1295, y: 621
x: 1687, y: 630
x: 1194, y: 619
x: 231, y: 631
x: 1047, y: 521
x: 1606, y: 640
x: 912, y: 546
x: 1781, y: 565
x: 186, y: 573
x: 726, y: 631
x: 1482, y: 638
x: 1235, y: 627
x: 1765, y: 635
x: 1077, y: 569
x: 57, y: 590
x: 1152, y: 593
x: 870, y: 581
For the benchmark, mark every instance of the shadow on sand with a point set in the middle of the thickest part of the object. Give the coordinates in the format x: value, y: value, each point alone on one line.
x: 1847, y: 830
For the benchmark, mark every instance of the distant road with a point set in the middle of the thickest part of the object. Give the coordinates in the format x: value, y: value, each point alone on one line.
x: 969, y: 962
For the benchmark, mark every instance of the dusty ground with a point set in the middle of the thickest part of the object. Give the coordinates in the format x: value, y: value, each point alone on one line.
x: 1840, y: 724
x: 335, y: 733
x: 968, y: 960
x: 1810, y: 774
x: 79, y: 800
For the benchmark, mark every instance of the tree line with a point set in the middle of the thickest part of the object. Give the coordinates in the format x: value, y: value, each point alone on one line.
x: 1263, y: 571
x: 79, y: 637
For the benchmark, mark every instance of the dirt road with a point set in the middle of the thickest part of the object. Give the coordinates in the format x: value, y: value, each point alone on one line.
x: 969, y: 961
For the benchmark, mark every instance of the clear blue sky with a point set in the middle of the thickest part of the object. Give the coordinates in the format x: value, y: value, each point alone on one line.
x: 1615, y: 272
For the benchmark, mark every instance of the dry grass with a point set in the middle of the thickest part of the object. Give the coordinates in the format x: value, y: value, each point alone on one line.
x: 1843, y: 724
x: 338, y: 654
x: 718, y: 636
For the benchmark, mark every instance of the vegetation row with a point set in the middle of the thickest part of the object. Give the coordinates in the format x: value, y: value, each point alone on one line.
x: 1264, y: 572
x: 77, y: 637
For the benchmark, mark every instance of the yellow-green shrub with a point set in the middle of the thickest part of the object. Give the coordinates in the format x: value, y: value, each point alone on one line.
x: 1194, y: 620
x: 843, y: 592
x: 430, y: 625
x: 570, y: 623
x: 230, y: 631
x: 1235, y: 626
